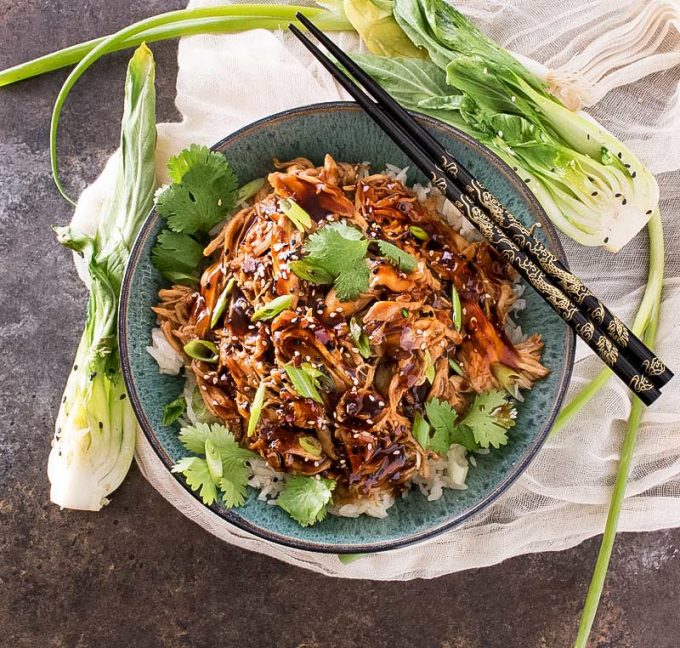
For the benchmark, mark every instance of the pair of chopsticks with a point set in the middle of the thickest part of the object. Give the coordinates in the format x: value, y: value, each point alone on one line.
x: 635, y: 364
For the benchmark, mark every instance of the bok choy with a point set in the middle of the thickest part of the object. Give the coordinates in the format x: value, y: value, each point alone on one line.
x: 590, y: 184
x: 96, y: 427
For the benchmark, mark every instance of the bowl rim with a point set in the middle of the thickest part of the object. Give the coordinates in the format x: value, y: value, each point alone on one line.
x: 231, y: 515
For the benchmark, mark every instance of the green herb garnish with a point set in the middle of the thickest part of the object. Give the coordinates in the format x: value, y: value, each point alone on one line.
x: 339, y: 250
x: 202, y: 350
x: 273, y: 308
x: 222, y: 465
x: 403, y: 261
x: 419, y: 233
x: 176, y: 256
x: 310, y: 272
x: 360, y: 338
x: 457, y: 309
x: 311, y: 445
x: 298, y: 216
x: 221, y: 302
x: 256, y: 408
x: 429, y: 367
x: 489, y: 418
x: 304, y: 382
x: 456, y: 367
x: 174, y: 410
x: 204, y: 190
x: 305, y: 498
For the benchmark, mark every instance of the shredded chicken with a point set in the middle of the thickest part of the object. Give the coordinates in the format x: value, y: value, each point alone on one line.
x: 361, y: 434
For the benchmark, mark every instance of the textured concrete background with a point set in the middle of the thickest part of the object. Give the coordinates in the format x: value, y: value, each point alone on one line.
x: 139, y: 573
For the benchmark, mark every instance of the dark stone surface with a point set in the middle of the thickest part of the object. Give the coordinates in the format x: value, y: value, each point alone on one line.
x: 139, y: 573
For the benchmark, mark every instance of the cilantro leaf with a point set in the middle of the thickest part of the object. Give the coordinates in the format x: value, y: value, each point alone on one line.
x: 442, y: 418
x: 354, y: 280
x: 204, y: 189
x: 224, y: 465
x: 339, y: 252
x: 176, y: 257
x: 489, y: 418
x: 305, y: 498
x: 173, y: 410
x: 397, y: 257
x: 197, y: 475
x: 193, y: 437
x: 421, y: 431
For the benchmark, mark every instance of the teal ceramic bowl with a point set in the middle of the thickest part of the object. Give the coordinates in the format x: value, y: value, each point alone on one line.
x: 343, y: 130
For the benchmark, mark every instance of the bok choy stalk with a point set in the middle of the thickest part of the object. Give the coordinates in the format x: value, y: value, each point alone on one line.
x: 591, y: 185
x: 96, y: 428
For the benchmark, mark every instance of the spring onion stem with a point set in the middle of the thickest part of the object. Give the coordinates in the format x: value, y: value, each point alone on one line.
x: 109, y: 44
x: 649, y: 305
x: 649, y: 312
x: 75, y: 53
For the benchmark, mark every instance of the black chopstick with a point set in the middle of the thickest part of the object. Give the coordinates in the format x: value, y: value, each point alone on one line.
x: 629, y: 344
x: 588, y: 331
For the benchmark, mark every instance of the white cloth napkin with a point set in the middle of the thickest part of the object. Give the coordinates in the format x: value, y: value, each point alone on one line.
x: 592, y: 46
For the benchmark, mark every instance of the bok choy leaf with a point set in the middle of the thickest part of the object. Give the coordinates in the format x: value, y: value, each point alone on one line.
x: 96, y: 427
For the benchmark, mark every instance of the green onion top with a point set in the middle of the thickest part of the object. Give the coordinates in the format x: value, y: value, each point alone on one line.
x: 201, y: 350
x: 273, y: 308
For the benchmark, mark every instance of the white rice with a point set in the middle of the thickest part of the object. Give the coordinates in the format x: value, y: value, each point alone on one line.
x: 449, y: 472
x: 169, y: 361
x: 374, y: 507
x: 265, y: 479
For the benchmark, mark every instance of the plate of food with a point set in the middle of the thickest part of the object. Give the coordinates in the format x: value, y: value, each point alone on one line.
x: 322, y: 350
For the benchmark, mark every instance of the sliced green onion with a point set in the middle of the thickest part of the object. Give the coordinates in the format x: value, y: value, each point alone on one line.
x: 248, y: 190
x: 419, y: 233
x: 214, y: 460
x: 310, y: 272
x: 360, y: 338
x: 303, y: 383
x: 397, y: 257
x: 456, y: 367
x: 404, y: 312
x: 298, y: 216
x: 429, y: 367
x: 457, y: 310
x: 221, y: 302
x: 273, y: 308
x: 256, y: 408
x: 311, y: 445
x: 201, y: 350
x: 507, y: 378
x: 421, y: 431
x: 346, y: 559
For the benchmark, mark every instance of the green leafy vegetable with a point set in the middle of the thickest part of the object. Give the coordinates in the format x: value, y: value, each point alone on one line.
x: 377, y: 27
x: 223, y: 464
x: 360, y: 338
x: 273, y: 308
x: 397, y: 257
x: 256, y: 408
x: 304, y: 383
x: 442, y: 418
x: 203, y: 191
x: 96, y: 428
x: 298, y: 216
x: 305, y: 498
x: 590, y: 184
x: 174, y: 410
x: 221, y: 302
x: 197, y: 475
x: 339, y: 250
x: 489, y: 418
x: 177, y: 256
x: 202, y: 350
